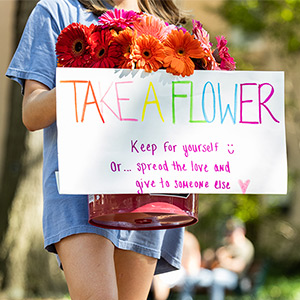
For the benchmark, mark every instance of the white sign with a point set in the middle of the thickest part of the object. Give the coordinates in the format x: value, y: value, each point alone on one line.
x: 122, y: 131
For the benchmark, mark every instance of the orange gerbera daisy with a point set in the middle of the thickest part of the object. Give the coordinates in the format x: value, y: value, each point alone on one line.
x: 126, y: 40
x: 180, y: 48
x: 148, y: 53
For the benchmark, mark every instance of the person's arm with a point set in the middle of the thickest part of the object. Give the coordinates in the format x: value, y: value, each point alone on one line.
x: 39, y: 105
x: 234, y: 264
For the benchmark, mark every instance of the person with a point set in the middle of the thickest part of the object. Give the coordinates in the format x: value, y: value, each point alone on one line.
x: 190, y: 275
x: 98, y: 263
x: 218, y: 271
x: 231, y: 261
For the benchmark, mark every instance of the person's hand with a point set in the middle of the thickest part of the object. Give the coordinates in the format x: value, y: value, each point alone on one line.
x: 222, y: 255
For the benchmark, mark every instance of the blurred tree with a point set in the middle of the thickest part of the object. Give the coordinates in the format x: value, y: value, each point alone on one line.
x: 215, y: 210
x: 15, y: 144
x: 25, y: 268
x: 262, y: 35
x: 279, y: 19
x: 266, y: 36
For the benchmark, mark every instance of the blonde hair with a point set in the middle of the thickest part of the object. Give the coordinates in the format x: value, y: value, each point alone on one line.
x: 165, y: 9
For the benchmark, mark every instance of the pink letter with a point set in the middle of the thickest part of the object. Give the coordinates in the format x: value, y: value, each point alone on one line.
x: 103, y: 102
x: 245, y: 101
x: 122, y: 99
x: 264, y: 102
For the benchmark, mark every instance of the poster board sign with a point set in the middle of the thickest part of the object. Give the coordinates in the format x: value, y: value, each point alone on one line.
x: 122, y: 131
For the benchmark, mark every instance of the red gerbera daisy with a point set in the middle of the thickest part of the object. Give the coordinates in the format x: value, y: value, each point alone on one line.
x: 72, y: 47
x: 180, y: 48
x: 148, y: 53
x: 105, y: 52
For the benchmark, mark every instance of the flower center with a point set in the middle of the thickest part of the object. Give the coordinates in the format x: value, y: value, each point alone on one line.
x: 181, y: 51
x: 78, y: 46
x: 101, y: 52
x: 147, y: 53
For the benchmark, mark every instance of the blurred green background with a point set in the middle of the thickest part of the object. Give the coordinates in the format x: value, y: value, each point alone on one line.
x: 262, y: 35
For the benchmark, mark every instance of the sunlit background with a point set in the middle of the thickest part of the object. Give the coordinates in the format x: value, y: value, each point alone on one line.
x: 262, y: 35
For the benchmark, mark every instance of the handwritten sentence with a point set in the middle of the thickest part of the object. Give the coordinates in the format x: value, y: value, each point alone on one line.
x: 165, y: 166
x: 143, y: 185
x: 138, y: 147
x: 179, y: 167
x: 244, y: 97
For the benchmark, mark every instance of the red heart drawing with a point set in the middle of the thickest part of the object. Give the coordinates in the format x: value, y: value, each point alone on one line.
x: 244, y: 185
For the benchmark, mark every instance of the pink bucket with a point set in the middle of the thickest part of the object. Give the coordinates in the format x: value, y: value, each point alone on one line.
x: 143, y: 212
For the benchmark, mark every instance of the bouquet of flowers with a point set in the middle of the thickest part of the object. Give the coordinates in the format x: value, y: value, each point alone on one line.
x: 130, y: 40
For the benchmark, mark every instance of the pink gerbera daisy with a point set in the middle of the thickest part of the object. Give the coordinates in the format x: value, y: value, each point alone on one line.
x: 201, y: 35
x: 208, y: 62
x: 227, y: 62
x: 151, y: 25
x: 118, y: 19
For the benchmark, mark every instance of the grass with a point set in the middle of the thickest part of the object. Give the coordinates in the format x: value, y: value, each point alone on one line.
x: 274, y: 288
x: 280, y: 288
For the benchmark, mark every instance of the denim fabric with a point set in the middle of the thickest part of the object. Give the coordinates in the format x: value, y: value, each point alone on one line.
x: 66, y: 215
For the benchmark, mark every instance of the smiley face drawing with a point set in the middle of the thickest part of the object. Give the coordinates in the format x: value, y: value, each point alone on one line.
x: 230, y: 150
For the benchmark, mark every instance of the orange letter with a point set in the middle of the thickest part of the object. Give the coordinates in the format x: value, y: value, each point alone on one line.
x: 75, y: 93
x: 94, y: 102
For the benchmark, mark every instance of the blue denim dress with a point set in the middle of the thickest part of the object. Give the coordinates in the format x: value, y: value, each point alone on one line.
x: 65, y: 215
